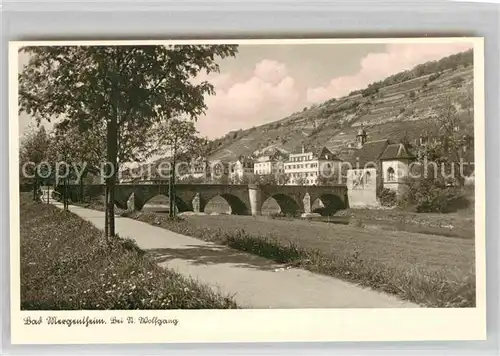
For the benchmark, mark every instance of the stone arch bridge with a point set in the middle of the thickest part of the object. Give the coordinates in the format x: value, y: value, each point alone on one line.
x: 243, y: 199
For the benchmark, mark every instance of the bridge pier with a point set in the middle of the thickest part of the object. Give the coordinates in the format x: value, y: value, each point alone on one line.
x: 196, y: 203
x: 307, y: 203
x: 255, y: 197
x: 131, y: 203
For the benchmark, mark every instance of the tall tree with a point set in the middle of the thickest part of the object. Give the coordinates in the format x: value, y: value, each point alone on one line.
x: 453, y: 131
x: 82, y: 152
x: 33, y: 151
x: 179, y: 137
x: 126, y: 89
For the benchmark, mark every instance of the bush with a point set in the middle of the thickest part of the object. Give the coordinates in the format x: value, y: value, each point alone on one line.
x: 387, y: 197
x: 457, y: 82
x: 428, y: 195
x: 434, y: 76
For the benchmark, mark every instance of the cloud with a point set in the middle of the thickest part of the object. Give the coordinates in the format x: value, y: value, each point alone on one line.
x: 267, y: 94
x: 377, y: 66
x: 270, y: 71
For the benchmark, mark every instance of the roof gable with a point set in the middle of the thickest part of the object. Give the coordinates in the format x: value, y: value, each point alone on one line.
x: 369, y: 152
x: 325, y: 154
x: 395, y: 151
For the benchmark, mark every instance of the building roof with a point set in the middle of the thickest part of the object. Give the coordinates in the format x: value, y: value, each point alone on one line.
x: 325, y: 153
x: 395, y: 151
x: 369, y: 152
x: 264, y: 158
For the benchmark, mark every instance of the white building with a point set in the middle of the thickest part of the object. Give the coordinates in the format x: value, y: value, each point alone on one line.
x: 270, y: 164
x: 395, y: 164
x: 241, y: 169
x: 307, y: 168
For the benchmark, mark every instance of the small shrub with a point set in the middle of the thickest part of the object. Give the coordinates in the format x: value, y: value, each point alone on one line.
x: 434, y: 76
x: 457, y: 82
x: 387, y: 197
x: 433, y: 196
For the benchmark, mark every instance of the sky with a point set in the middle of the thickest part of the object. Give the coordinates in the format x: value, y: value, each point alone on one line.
x: 265, y: 83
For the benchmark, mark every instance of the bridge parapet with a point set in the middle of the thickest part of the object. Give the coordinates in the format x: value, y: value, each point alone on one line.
x: 243, y: 199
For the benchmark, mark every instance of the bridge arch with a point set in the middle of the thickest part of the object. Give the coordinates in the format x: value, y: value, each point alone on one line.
x: 237, y: 205
x: 286, y: 203
x: 160, y: 199
x: 121, y: 201
x: 327, y: 204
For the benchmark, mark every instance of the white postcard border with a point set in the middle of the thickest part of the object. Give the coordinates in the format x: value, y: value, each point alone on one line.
x: 254, y: 325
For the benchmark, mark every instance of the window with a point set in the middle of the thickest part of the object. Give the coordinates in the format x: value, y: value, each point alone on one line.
x: 390, y: 174
x: 368, y: 178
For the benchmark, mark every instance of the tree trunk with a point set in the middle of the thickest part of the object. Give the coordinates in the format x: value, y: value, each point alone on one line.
x: 171, y: 194
x: 66, y: 193
x: 106, y: 217
x: 172, y: 205
x: 82, y: 196
x: 170, y: 197
x: 111, y: 180
x: 112, y: 148
x: 35, y: 187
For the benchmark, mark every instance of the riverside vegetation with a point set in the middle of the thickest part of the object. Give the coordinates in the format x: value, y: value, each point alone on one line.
x: 67, y: 265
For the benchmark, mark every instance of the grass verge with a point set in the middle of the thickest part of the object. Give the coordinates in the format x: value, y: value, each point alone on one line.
x: 66, y: 265
x: 431, y: 286
x: 430, y: 270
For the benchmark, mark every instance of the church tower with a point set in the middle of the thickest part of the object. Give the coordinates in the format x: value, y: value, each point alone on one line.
x: 361, y: 137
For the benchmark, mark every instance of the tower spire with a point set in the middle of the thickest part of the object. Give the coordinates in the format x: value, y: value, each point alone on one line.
x: 361, y: 137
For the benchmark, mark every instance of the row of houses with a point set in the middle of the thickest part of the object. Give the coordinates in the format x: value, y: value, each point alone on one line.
x: 373, y: 165
x: 303, y: 168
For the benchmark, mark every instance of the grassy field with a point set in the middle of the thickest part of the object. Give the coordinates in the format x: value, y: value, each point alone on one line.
x: 67, y: 265
x: 459, y: 224
x: 431, y: 270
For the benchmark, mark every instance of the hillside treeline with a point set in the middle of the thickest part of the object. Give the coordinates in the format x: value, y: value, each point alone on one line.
x: 447, y: 63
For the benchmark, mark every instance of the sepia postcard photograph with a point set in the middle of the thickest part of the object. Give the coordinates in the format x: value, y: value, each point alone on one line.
x: 247, y: 190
